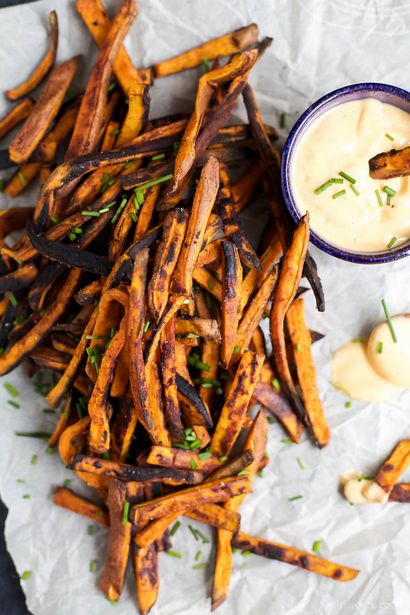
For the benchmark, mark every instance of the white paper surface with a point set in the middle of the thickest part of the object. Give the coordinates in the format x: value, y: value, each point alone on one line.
x: 318, y: 46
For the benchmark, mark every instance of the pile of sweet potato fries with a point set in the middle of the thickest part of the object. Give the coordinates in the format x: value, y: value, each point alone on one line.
x: 133, y: 280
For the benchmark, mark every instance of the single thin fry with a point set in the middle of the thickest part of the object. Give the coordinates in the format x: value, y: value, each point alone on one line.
x: 231, y: 293
x: 395, y: 163
x: 68, y: 499
x: 17, y: 114
x: 394, y: 466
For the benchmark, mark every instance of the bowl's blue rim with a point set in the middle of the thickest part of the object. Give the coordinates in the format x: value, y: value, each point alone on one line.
x: 353, y: 257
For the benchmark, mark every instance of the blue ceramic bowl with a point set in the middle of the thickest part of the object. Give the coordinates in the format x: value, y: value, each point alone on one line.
x: 385, y: 93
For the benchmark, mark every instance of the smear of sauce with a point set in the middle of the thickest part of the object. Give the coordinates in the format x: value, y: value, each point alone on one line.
x: 360, y: 490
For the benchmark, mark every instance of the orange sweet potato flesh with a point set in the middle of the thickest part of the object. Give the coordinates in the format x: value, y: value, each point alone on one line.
x: 137, y: 114
x: 293, y: 556
x: 45, y: 110
x: 225, y: 45
x: 395, y: 163
x: 96, y: 19
x: 90, y: 117
x: 68, y: 499
x: 43, y: 67
x: 17, y: 114
x: 146, y: 575
x: 236, y: 403
x: 172, y: 410
x: 279, y: 407
x: 231, y: 299
x: 394, y: 466
x: 305, y: 367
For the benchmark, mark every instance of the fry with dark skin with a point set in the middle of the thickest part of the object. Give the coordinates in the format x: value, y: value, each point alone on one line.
x: 231, y: 293
x: 305, y: 367
x: 400, y: 493
x: 225, y: 45
x: 17, y: 114
x: 288, y: 282
x: 91, y: 113
x: 43, y: 67
x: 295, y: 557
x: 395, y: 163
x: 254, y: 278
x: 236, y: 403
x: 137, y: 114
x: 68, y: 499
x: 279, y: 407
x: 206, y: 328
x: 45, y: 110
x: 394, y: 466
x: 146, y: 574
x: 172, y: 411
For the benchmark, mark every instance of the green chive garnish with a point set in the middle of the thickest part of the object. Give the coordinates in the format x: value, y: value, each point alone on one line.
x: 198, y: 555
x: 193, y: 464
x: 336, y: 180
x: 276, y: 384
x: 128, y: 165
x: 172, y: 553
x: 338, y: 194
x: 90, y: 530
x: 54, y: 219
x: 67, y: 482
x: 389, y: 321
x: 192, y: 336
x: 112, y: 86
x: 347, y: 177
x: 379, y: 198
x: 270, y: 420
x: 283, y: 120
x: 3, y: 184
x: 300, y: 463
x: 115, y: 132
x: 125, y: 512
x: 355, y: 190
x: 200, y: 566
x: 34, y: 459
x: 154, y: 182
x: 389, y: 191
x: 26, y: 496
x: 33, y: 434
x: 379, y: 347
x: 223, y: 458
x: 93, y: 565
x: 348, y: 404
x: 389, y: 136
x: 22, y: 179
x: 157, y: 157
x: 287, y: 441
x: 316, y: 546
x: 243, y: 473
x: 246, y: 553
x: 295, y: 497
x: 119, y: 210
x: 210, y: 284
x: 204, y: 455
x: 50, y: 450
x: 21, y: 481
x: 392, y: 242
x: 388, y: 200
x: 206, y: 65
x: 13, y: 300
x: 175, y: 528
x: 324, y: 186
x: 13, y: 403
x: 146, y: 326
x: 26, y: 575
x: 94, y: 214
x: 261, y: 473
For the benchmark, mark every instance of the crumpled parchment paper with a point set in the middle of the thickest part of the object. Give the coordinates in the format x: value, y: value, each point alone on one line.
x: 318, y: 45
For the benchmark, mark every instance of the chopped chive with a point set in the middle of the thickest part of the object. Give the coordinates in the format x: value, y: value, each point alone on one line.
x: 104, y: 210
x: 72, y: 236
x: 93, y: 565
x: 324, y: 187
x: 33, y: 434
x: 13, y: 403
x: 200, y: 566
x: 112, y: 86
x: 336, y: 180
x: 283, y: 120
x: 3, y: 184
x: 115, y: 132
x: 379, y: 198
x: 94, y: 214
x: 90, y: 530
x: 193, y: 336
x: 210, y: 284
x: 106, y: 455
x: 125, y: 512
x: 389, y: 191
x: 388, y: 200
x: 348, y: 404
x: 22, y: 179
x: 337, y: 195
x: 295, y: 497
x: 260, y: 473
x: 193, y: 532
x: 67, y: 482
x: 50, y: 450
x: 223, y: 458
x: 119, y: 210
x: 206, y: 65
x: 204, y: 366
x: 134, y: 216
x: 172, y: 553
x: 202, y: 536
x: 300, y: 463
x: 138, y: 199
x: 193, y: 464
x: 243, y: 473
x: 128, y: 165
x: 157, y: 157
x: 26, y: 496
x: 270, y: 420
x: 34, y: 459
x: 389, y: 321
x: 154, y: 182
x: 175, y: 528
x: 235, y: 350
x: 54, y: 219
x: 355, y: 190
x: 146, y: 326
x: 391, y: 242
x: 13, y: 300
x: 287, y: 441
x: 357, y: 340
x: 204, y: 455
x: 316, y: 546
x: 379, y: 347
x: 21, y: 481
x: 349, y: 178
x: 198, y: 555
x: 175, y: 147
x: 388, y: 136
x: 246, y: 553
x: 26, y: 575
x: 276, y: 384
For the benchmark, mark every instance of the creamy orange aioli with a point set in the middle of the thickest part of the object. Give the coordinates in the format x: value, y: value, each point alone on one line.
x: 344, y: 139
x: 376, y: 369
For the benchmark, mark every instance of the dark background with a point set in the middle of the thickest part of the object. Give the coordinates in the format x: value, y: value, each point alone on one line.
x: 12, y: 600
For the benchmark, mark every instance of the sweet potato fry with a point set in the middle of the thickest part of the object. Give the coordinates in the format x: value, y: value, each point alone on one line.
x: 61, y: 425
x: 243, y: 190
x: 137, y: 114
x: 166, y: 257
x: 98, y: 23
x: 45, y: 110
x: 193, y: 497
x: 119, y: 538
x: 193, y: 409
x: 206, y: 328
x: 236, y: 403
x: 395, y: 163
x: 279, y: 407
x: 289, y: 278
x: 169, y: 385
x: 231, y: 293
x: 295, y: 557
x: 13, y: 219
x: 126, y: 472
x: 208, y: 282
x: 91, y: 113
x: 18, y: 279
x: 43, y: 67
x: 204, y: 200
x: 73, y: 440
x: 254, y: 278
x: 17, y: 114
x: 182, y: 459
x: 68, y: 499
x: 21, y: 179
x: 400, y: 493
x: 225, y: 45
x: 146, y: 575
x: 394, y: 466
x: 233, y: 466
x: 301, y: 341
x: 160, y: 434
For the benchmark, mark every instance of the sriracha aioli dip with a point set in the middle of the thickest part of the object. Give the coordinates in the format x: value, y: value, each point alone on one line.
x: 330, y: 176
